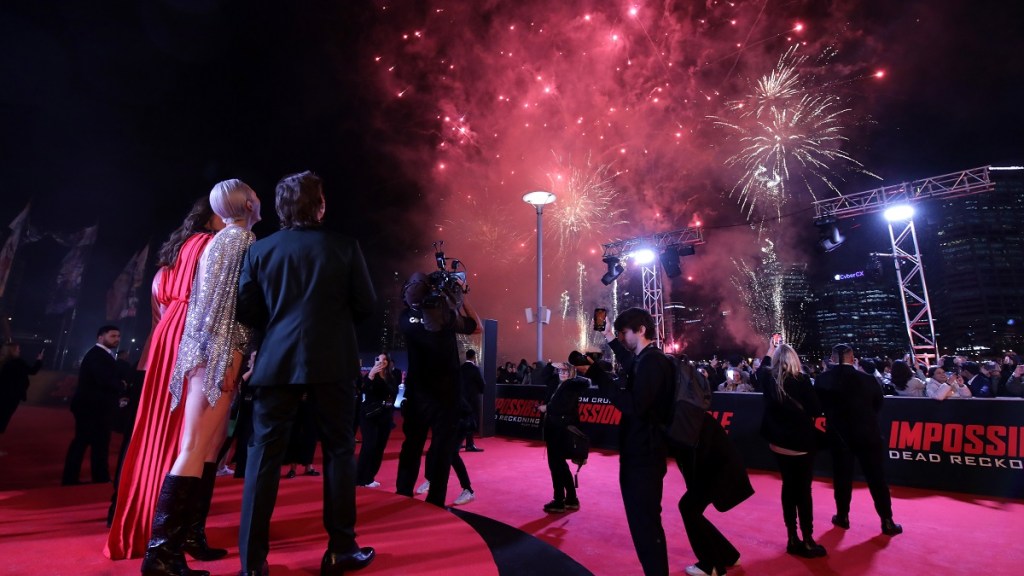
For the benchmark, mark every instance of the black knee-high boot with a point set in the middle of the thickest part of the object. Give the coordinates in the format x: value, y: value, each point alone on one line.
x: 163, y: 553
x: 195, y: 532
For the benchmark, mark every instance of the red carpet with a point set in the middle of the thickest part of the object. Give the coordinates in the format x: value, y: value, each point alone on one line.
x: 45, y: 529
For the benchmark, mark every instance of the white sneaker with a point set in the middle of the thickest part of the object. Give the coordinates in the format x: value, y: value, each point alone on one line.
x: 225, y: 471
x: 373, y: 484
x: 693, y: 570
x: 423, y: 487
x: 466, y: 497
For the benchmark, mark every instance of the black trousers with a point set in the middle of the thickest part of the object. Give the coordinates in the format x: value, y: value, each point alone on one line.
x: 641, y: 484
x: 709, y: 545
x: 441, y: 422
x: 872, y: 463
x: 797, y: 473
x: 458, y: 465
x: 376, y: 430
x: 561, y: 476
x: 92, y: 432
x: 274, y: 409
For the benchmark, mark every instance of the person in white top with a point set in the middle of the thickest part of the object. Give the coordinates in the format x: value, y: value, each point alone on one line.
x: 941, y: 385
x: 904, y: 381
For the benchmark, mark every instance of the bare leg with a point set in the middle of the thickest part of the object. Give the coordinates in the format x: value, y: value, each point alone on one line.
x: 203, y: 428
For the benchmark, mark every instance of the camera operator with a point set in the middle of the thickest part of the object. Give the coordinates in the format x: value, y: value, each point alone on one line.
x: 436, y: 312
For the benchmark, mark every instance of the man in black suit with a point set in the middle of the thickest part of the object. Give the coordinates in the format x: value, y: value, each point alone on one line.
x: 305, y: 289
x: 472, y: 388
x: 94, y: 404
x: 851, y: 400
x: 978, y: 382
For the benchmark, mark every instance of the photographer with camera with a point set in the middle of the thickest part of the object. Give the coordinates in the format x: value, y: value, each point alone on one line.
x: 436, y: 313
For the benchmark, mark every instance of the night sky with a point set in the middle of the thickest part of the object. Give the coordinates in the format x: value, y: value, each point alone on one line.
x: 429, y: 121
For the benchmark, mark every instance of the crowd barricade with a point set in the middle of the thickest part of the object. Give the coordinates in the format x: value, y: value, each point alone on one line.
x: 975, y: 446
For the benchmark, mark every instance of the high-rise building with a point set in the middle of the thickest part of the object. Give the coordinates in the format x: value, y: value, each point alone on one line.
x: 861, y: 308
x: 973, y: 252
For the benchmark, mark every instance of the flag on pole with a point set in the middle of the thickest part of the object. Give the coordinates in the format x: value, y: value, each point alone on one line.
x: 17, y: 226
x: 69, y: 279
x: 122, y: 297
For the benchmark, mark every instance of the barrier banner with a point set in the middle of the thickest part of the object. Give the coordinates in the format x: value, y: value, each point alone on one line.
x: 972, y: 445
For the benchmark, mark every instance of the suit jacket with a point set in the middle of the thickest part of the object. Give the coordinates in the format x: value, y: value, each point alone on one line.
x: 851, y: 400
x: 472, y: 386
x: 99, y: 384
x: 305, y: 290
x: 981, y: 386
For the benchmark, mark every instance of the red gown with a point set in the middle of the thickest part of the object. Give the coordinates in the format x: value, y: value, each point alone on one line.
x: 156, y: 437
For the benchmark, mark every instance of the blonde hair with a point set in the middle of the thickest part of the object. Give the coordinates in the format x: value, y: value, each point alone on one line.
x: 228, y: 199
x: 785, y: 364
x: 565, y: 366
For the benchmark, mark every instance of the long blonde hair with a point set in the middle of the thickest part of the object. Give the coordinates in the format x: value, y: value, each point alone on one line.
x: 785, y: 364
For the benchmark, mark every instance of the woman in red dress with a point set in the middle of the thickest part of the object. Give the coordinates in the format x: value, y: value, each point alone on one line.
x: 156, y: 436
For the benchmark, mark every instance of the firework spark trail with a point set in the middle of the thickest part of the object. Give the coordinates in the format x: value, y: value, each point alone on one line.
x: 760, y: 287
x: 469, y: 97
x: 587, y: 203
x: 789, y: 130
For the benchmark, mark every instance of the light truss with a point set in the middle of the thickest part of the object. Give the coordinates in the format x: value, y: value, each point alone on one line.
x: 906, y: 254
x: 653, y: 294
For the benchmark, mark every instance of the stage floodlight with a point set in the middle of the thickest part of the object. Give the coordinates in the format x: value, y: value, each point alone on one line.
x: 900, y: 213
x: 644, y: 256
x: 670, y: 262
x: 615, y: 269
x: 829, y: 236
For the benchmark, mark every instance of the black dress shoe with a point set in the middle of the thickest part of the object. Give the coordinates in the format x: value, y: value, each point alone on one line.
x: 474, y: 449
x: 841, y: 521
x: 261, y: 571
x: 335, y: 564
x: 890, y: 528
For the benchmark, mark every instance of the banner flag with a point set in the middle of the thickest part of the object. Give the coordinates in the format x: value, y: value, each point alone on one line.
x: 122, y: 297
x: 69, y: 279
x: 17, y: 227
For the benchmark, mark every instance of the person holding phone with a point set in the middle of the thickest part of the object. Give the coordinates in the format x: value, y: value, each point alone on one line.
x: 376, y: 417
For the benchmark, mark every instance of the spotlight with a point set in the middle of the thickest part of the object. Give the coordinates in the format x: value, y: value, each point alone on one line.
x: 670, y: 259
x: 670, y: 262
x: 614, y: 270
x: 900, y: 213
x: 829, y: 236
x: 643, y: 256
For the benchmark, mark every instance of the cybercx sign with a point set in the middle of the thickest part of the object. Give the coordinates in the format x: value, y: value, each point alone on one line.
x: 850, y: 276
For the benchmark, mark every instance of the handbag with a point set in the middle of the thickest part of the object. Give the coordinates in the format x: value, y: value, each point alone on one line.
x: 578, y: 445
x: 371, y: 409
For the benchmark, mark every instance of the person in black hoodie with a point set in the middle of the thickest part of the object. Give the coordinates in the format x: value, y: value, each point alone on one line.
x: 561, y: 410
x: 790, y: 408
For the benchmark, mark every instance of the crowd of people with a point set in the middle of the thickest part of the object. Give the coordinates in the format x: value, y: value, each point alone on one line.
x: 220, y: 294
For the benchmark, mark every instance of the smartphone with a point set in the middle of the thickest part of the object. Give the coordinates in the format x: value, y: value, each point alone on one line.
x: 600, y: 319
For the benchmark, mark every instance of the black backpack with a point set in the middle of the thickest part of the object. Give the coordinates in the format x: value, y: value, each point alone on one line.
x: 692, y: 399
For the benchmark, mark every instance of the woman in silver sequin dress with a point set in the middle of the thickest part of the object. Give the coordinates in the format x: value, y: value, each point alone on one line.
x: 209, y: 357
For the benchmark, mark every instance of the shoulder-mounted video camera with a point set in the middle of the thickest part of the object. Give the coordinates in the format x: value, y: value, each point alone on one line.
x: 446, y: 285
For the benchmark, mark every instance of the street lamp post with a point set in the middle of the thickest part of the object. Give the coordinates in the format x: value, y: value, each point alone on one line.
x: 538, y: 200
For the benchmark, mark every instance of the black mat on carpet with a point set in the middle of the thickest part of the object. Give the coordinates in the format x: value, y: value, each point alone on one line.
x: 517, y: 553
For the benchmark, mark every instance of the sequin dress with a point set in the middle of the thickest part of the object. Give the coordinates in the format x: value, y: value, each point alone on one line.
x: 211, y: 332
x: 156, y: 437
